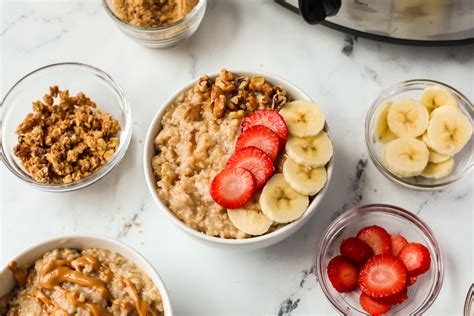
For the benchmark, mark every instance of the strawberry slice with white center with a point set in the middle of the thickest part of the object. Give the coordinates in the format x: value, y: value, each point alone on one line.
x: 342, y: 274
x: 233, y: 187
x: 383, y: 276
x: 254, y: 160
x: 416, y: 258
x: 261, y: 137
x: 377, y: 238
x: 373, y: 307
x: 398, y: 242
x: 270, y: 119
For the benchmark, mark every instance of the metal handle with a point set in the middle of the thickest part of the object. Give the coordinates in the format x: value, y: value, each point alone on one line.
x: 316, y: 11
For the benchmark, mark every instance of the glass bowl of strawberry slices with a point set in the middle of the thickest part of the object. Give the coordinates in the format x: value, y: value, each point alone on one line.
x: 379, y: 259
x: 418, y: 134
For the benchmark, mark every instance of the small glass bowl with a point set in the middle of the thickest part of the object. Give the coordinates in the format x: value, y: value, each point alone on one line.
x: 76, y: 77
x: 463, y: 161
x: 469, y: 304
x: 396, y: 221
x: 164, y: 36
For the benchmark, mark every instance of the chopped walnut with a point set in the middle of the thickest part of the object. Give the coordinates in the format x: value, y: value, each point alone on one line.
x: 204, y: 84
x: 65, y: 142
x: 230, y: 93
x: 241, y: 83
x: 252, y: 103
x: 219, y: 106
x: 256, y: 83
x: 278, y: 101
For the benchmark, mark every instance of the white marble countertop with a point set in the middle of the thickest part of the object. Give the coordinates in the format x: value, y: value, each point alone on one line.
x: 342, y: 73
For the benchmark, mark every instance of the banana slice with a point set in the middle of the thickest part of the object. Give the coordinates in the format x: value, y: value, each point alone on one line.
x: 252, y: 222
x: 406, y: 156
x: 449, y: 130
x: 382, y: 132
x: 280, y: 202
x: 426, y: 139
x: 434, y: 156
x: 303, y: 118
x: 407, y: 118
x: 436, y: 96
x: 438, y: 170
x: 302, y: 179
x: 310, y: 151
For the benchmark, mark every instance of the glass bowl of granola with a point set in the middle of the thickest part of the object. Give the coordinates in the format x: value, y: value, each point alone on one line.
x: 156, y: 24
x: 224, y: 161
x: 64, y: 126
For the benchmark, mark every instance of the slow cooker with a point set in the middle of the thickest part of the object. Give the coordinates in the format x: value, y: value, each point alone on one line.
x: 419, y: 22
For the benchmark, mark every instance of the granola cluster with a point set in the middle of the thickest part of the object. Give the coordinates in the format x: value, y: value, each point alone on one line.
x: 238, y: 95
x: 152, y: 13
x: 65, y: 142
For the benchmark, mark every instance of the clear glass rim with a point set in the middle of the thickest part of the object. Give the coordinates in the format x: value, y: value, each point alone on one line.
x: 102, y: 171
x: 346, y: 217
x: 396, y: 89
x: 469, y: 304
x: 189, y: 17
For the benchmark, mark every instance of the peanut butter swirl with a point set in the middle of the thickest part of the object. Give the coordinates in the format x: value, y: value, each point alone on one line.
x: 19, y: 274
x: 56, y: 272
x: 142, y: 307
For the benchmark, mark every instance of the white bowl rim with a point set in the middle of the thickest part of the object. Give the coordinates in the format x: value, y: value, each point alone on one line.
x: 155, y: 277
x: 227, y: 241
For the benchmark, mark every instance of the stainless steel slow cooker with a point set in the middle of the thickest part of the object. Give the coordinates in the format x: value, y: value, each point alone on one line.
x: 424, y: 22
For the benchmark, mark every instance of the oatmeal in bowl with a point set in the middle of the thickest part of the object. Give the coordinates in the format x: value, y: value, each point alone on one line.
x: 81, y: 275
x: 239, y: 159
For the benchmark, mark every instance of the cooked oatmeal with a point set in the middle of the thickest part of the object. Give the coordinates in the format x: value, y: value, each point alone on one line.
x: 92, y: 282
x: 67, y: 141
x: 152, y: 13
x: 198, y: 135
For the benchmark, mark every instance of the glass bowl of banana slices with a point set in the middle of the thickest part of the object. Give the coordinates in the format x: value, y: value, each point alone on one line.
x: 418, y: 134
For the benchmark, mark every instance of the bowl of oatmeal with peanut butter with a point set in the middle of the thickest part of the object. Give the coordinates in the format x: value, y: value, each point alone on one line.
x: 64, y: 126
x: 239, y: 160
x: 82, y: 275
x: 156, y: 23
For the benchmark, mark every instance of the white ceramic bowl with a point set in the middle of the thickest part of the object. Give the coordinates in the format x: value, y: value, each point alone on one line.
x: 236, y: 244
x: 30, y: 255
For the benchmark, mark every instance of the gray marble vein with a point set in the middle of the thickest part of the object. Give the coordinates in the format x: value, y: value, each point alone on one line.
x: 349, y: 45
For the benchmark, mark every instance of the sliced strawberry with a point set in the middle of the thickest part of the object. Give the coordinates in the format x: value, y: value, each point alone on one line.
x: 254, y: 160
x: 261, y: 137
x: 394, y: 299
x: 233, y: 187
x: 371, y: 306
x: 342, y: 274
x: 382, y: 276
x: 377, y: 238
x: 270, y: 119
x: 398, y: 242
x: 416, y: 258
x: 355, y: 250
x: 411, y: 279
